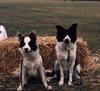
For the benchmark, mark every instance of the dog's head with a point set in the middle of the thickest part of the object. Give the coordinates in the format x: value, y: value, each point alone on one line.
x: 27, y: 44
x: 66, y: 35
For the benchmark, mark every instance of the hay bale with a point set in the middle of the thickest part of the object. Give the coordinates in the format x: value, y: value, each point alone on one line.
x: 84, y: 55
x: 10, y: 57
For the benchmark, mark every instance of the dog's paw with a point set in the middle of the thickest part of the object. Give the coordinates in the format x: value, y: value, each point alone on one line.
x: 60, y: 83
x: 49, y: 87
x: 70, y: 83
x: 19, y: 88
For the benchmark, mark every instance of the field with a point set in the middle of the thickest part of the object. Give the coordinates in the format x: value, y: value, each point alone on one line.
x: 42, y: 16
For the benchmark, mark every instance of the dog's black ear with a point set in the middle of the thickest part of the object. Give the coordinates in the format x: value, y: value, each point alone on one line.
x: 72, y: 32
x: 59, y: 28
x: 20, y: 36
x: 73, y: 27
x: 61, y: 32
x: 32, y: 35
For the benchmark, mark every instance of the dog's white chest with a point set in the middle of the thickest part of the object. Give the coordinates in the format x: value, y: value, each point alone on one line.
x: 33, y: 70
x: 62, y: 55
x: 31, y: 67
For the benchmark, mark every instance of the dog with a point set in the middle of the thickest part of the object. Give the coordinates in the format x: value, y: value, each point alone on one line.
x: 32, y: 61
x: 66, y: 63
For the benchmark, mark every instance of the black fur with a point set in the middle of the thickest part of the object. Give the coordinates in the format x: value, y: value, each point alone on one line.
x: 62, y: 33
x: 21, y: 39
x: 60, y: 36
x: 32, y: 43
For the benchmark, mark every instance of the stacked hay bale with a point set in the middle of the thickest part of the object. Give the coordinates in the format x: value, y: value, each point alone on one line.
x: 10, y: 57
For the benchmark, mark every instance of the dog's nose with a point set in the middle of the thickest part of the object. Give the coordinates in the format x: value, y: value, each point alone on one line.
x: 26, y: 49
x: 66, y: 41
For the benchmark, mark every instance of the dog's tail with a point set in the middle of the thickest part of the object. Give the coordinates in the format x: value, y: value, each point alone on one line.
x: 49, y: 73
x: 78, y: 68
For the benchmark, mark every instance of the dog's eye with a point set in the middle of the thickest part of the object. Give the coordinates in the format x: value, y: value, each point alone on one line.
x: 22, y: 43
x: 33, y: 45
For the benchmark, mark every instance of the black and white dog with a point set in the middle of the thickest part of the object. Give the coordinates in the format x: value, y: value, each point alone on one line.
x: 32, y: 61
x: 66, y: 55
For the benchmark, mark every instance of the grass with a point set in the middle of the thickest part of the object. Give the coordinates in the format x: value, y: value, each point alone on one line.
x: 42, y: 16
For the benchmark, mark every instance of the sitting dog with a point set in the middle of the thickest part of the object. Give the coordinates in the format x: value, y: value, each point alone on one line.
x: 32, y: 64
x: 66, y: 55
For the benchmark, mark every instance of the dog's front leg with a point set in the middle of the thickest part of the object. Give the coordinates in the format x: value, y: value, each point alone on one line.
x: 61, y: 82
x: 23, y: 79
x: 42, y: 73
x: 71, y: 68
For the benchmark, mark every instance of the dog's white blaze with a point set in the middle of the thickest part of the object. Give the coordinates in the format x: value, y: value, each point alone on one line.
x: 67, y: 37
x: 26, y: 41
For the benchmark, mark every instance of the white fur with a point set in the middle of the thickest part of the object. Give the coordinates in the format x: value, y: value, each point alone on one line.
x: 33, y: 61
x: 19, y: 88
x: 62, y: 56
x: 26, y: 41
x: 78, y: 67
x: 67, y: 37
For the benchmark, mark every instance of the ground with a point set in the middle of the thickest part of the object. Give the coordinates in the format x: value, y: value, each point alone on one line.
x: 91, y: 83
